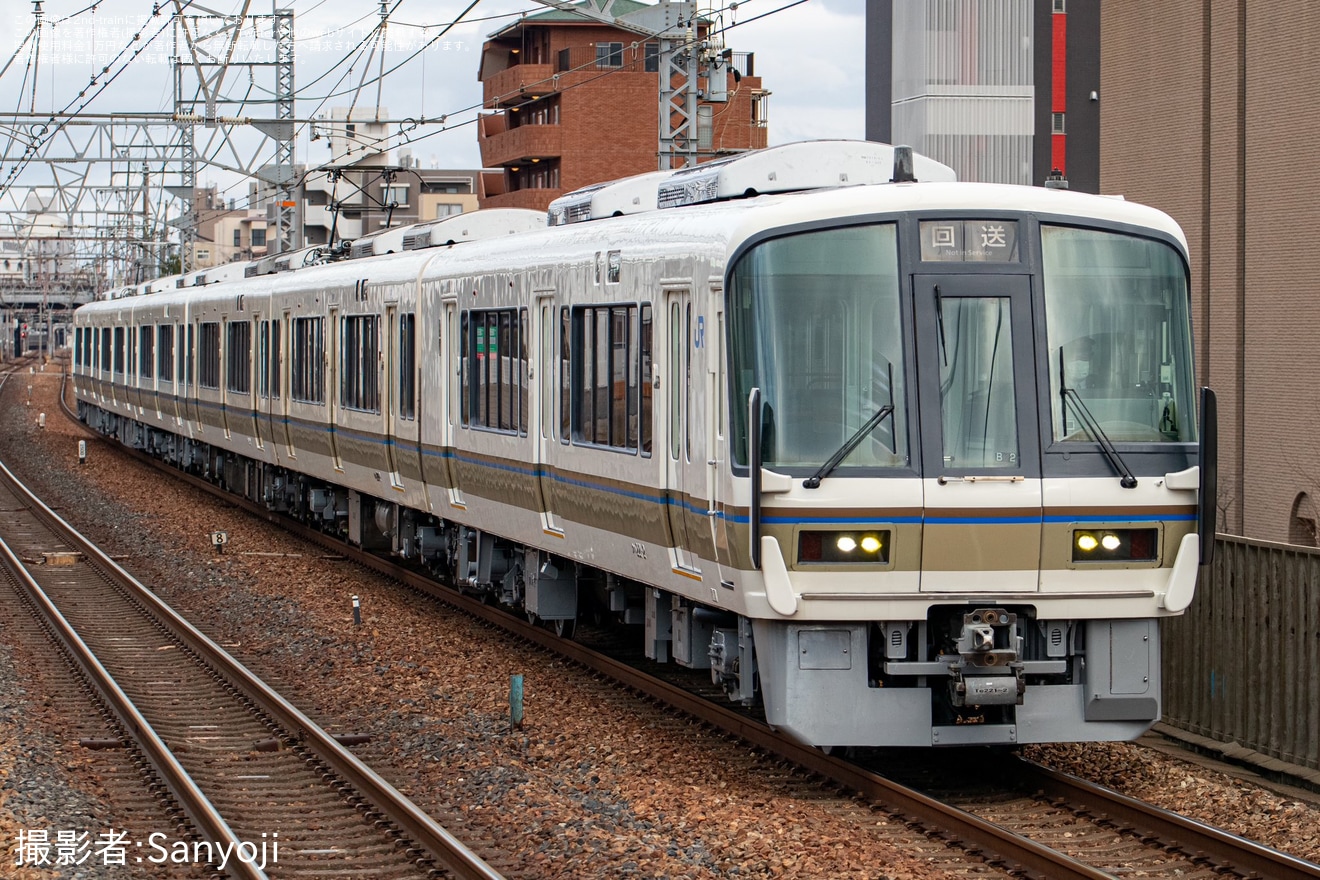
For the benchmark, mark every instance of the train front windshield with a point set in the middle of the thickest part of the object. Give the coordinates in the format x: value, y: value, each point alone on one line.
x: 1118, y: 336
x: 816, y: 322
x: 816, y: 325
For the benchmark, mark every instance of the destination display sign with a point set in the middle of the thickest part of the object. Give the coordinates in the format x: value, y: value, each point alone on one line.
x: 969, y: 241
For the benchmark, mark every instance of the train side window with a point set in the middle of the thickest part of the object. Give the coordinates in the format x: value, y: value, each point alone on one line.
x: 408, y: 366
x: 565, y: 374
x: 274, y: 361
x: 105, y: 349
x: 119, y: 349
x: 359, y: 384
x: 189, y: 357
x: 464, y: 371
x: 495, y: 369
x: 165, y: 352
x: 524, y: 363
x: 263, y: 359
x: 239, y: 350
x: 146, y: 350
x: 307, y: 350
x: 209, y: 344
x: 644, y: 368
x: 676, y: 351
x: 605, y: 369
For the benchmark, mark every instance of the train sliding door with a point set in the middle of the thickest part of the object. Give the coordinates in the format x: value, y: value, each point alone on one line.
x: 552, y: 371
x: 403, y: 436
x: 980, y: 429
x: 684, y: 469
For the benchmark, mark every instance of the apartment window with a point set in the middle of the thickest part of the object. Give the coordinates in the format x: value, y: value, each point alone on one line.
x: 1060, y: 6
x: 609, y: 54
x: 239, y: 351
x: 408, y: 366
x: 447, y: 209
x: 308, y: 352
x: 651, y: 64
x: 238, y: 238
x: 258, y: 236
x: 359, y: 387
x: 494, y: 371
x: 608, y: 358
x: 203, y: 255
x: 165, y: 352
x: 208, y: 368
x: 146, y: 350
x: 395, y: 194
x: 1057, y: 123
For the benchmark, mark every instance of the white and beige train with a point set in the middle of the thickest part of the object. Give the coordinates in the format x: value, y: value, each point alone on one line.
x: 908, y: 461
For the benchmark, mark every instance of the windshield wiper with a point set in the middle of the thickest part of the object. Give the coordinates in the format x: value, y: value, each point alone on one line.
x: 1094, y: 429
x: 813, y: 482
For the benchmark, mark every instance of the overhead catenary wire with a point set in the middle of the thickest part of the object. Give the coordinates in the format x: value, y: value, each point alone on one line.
x: 57, y: 124
x: 410, y: 129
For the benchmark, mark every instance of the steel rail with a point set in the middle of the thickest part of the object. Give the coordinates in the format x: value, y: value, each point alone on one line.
x: 1189, y: 835
x: 198, y: 808
x: 448, y: 852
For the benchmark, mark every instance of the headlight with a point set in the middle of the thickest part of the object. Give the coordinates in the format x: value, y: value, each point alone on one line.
x: 869, y: 547
x: 1115, y: 545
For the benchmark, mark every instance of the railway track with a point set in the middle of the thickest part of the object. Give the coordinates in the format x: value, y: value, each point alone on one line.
x: 254, y: 786
x: 1059, y: 828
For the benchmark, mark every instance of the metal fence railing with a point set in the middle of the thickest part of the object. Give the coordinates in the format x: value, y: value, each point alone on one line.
x: 1243, y: 664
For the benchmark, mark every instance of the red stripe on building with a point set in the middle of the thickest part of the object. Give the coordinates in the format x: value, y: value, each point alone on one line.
x: 1059, y: 90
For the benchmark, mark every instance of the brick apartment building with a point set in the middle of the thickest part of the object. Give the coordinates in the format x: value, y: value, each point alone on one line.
x: 1202, y: 116
x: 573, y: 102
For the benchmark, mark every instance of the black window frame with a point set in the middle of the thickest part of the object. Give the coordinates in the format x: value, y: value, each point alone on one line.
x: 208, y: 355
x: 610, y: 364
x: 307, y: 360
x: 494, y: 389
x: 238, y: 357
x: 359, y: 361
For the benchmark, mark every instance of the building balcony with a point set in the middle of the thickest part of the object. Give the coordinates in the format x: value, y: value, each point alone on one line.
x: 504, y: 146
x: 520, y: 83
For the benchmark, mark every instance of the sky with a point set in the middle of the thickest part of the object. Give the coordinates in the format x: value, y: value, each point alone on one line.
x: 809, y: 55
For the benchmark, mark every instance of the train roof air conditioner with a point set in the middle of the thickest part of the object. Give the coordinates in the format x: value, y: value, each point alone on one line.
x: 791, y: 167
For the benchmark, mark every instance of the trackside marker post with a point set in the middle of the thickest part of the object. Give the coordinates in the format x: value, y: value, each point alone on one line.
x: 515, y: 701
x: 357, y: 611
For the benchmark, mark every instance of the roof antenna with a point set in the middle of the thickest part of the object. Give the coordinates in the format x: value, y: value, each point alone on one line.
x: 1056, y: 180
x: 903, y: 166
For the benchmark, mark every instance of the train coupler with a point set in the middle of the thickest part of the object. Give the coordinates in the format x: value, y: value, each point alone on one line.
x: 988, y: 670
